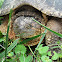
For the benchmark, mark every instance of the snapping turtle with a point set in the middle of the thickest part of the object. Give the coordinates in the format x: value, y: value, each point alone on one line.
x: 22, y: 23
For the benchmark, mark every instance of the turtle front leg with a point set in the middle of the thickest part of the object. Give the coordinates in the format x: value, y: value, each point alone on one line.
x: 4, y: 25
x: 55, y: 25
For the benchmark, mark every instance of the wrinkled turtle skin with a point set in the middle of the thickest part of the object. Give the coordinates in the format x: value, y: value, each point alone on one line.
x: 24, y: 11
x: 54, y: 24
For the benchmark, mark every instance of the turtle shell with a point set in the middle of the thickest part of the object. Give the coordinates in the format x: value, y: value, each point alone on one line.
x: 48, y: 7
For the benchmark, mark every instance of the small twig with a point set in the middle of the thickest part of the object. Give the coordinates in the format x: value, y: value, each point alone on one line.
x: 2, y: 46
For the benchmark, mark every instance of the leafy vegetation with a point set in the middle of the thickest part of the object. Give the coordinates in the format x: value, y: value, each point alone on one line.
x: 15, y: 51
x: 1, y: 2
x: 45, y: 54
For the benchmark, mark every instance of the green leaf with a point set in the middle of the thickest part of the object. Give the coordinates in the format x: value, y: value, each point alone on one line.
x: 58, y: 42
x: 6, y: 45
x: 20, y: 48
x: 2, y: 39
x: 45, y: 59
x: 60, y: 46
x: 1, y: 35
x: 10, y: 54
x: 1, y: 17
x: 9, y: 48
x: 60, y: 55
x: 43, y: 50
x: 11, y: 60
x: 29, y: 59
x: 26, y: 40
x: 4, y: 33
x: 58, y: 34
x: 23, y: 58
x: 39, y: 47
x: 55, y: 56
x: 49, y: 53
x: 1, y: 2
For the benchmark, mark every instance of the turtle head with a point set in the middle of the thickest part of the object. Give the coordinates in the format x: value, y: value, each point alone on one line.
x: 26, y: 27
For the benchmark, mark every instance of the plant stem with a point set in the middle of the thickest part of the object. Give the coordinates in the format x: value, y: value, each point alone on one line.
x: 32, y: 51
x: 7, y: 34
x: 40, y: 40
